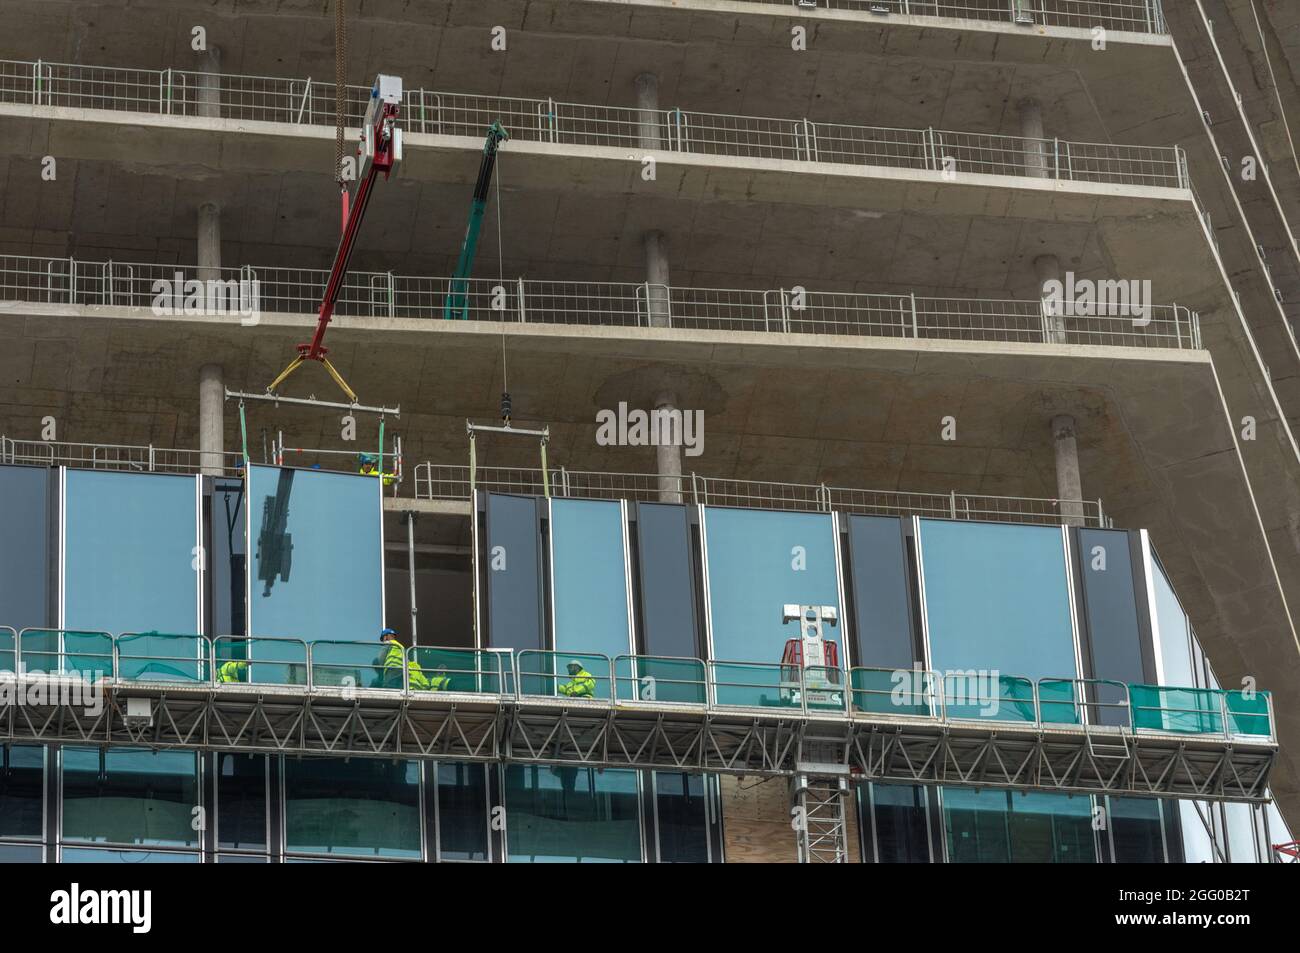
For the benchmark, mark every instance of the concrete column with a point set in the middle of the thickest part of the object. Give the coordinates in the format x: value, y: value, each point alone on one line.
x: 209, y: 241
x: 1069, y: 488
x: 209, y: 91
x: 668, y: 458
x: 649, y: 123
x: 656, y: 276
x: 1038, y: 158
x: 1048, y: 268
x: 212, y: 430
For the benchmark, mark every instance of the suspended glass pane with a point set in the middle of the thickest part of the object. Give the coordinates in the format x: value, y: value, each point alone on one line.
x: 130, y: 562
x: 229, y: 557
x: 513, y: 573
x: 573, y: 815
x: 883, y: 608
x: 360, y: 808
x: 25, y: 573
x: 759, y: 562
x: 317, y: 544
x: 130, y: 796
x: 589, y: 578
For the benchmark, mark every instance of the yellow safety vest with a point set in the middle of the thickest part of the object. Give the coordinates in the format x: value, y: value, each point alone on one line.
x: 583, y: 685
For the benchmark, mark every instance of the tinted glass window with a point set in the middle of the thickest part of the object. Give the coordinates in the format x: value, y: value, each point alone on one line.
x: 228, y: 564
x: 988, y: 826
x: 1135, y: 830
x: 21, y: 854
x: 128, y: 796
x: 883, y: 615
x: 667, y: 596
x: 129, y: 553
x: 573, y: 815
x: 682, y: 817
x: 758, y: 562
x: 241, y: 801
x: 25, y: 557
x: 22, y: 787
x: 93, y: 855
x: 589, y: 577
x: 462, y: 811
x: 317, y: 561
x: 902, y: 835
x: 363, y: 808
x: 513, y: 573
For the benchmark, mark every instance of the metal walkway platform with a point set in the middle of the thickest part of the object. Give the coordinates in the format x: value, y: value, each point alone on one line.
x: 774, y: 742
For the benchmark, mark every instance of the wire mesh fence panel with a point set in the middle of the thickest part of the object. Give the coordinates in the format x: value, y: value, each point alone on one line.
x: 584, y: 302
x: 870, y: 145
x: 722, y: 309
x: 750, y: 136
x: 875, y: 315
x: 1137, y: 16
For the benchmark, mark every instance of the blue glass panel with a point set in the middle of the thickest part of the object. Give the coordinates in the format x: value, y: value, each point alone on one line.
x: 1176, y: 667
x: 758, y: 562
x: 989, y: 826
x: 667, y: 588
x: 997, y: 604
x: 883, y: 616
x: 462, y: 811
x: 572, y: 815
x: 129, y: 553
x: 130, y: 796
x: 589, y: 577
x: 22, y: 790
x: 681, y: 817
x: 317, y: 555
x: 25, y: 574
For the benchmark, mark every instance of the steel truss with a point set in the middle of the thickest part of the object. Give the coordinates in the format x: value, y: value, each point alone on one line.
x: 645, y: 735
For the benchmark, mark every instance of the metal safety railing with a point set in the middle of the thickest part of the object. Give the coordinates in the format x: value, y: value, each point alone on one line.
x: 1133, y: 16
x: 1118, y: 318
x: 595, y: 679
x: 306, y: 102
x: 103, y: 456
x: 451, y: 482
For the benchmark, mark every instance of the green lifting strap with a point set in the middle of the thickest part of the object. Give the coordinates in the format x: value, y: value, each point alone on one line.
x: 381, y: 453
x: 243, y: 434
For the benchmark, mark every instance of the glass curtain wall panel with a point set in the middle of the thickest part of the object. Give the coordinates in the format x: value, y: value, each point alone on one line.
x: 989, y: 826
x: 130, y: 556
x: 463, y: 809
x: 899, y: 825
x: 682, y: 817
x: 572, y: 815
x: 22, y: 791
x: 511, y: 572
x: 97, y: 855
x: 228, y: 564
x: 130, y: 797
x: 882, y: 616
x: 667, y: 584
x: 1136, y: 830
x: 759, y: 561
x: 359, y: 808
x: 1111, y: 609
x: 997, y: 603
x: 317, y: 568
x: 241, y: 801
x: 22, y: 854
x: 25, y: 570
x: 589, y: 579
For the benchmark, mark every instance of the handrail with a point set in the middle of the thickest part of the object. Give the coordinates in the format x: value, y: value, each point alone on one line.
x: 278, y: 100
x: 707, y: 685
x: 1119, y: 321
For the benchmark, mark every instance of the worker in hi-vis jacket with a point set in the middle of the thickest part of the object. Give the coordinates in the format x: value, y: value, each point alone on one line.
x: 581, y: 683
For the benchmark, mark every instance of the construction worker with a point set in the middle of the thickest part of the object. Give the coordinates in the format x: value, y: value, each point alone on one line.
x: 368, y: 464
x: 440, y: 681
x: 236, y: 670
x: 393, y: 660
x: 581, y: 683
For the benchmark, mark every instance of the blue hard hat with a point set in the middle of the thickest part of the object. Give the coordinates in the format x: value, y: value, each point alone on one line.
x: 387, y: 632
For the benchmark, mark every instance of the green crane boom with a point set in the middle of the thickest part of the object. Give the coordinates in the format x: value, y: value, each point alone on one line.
x: 457, y: 304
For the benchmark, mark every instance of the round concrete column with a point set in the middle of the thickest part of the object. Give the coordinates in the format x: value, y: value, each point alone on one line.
x: 1069, y: 488
x: 657, y: 279
x: 209, y: 242
x: 1048, y: 268
x: 1036, y: 151
x: 649, y: 125
x: 212, y: 431
x: 209, y: 92
x: 668, y: 457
